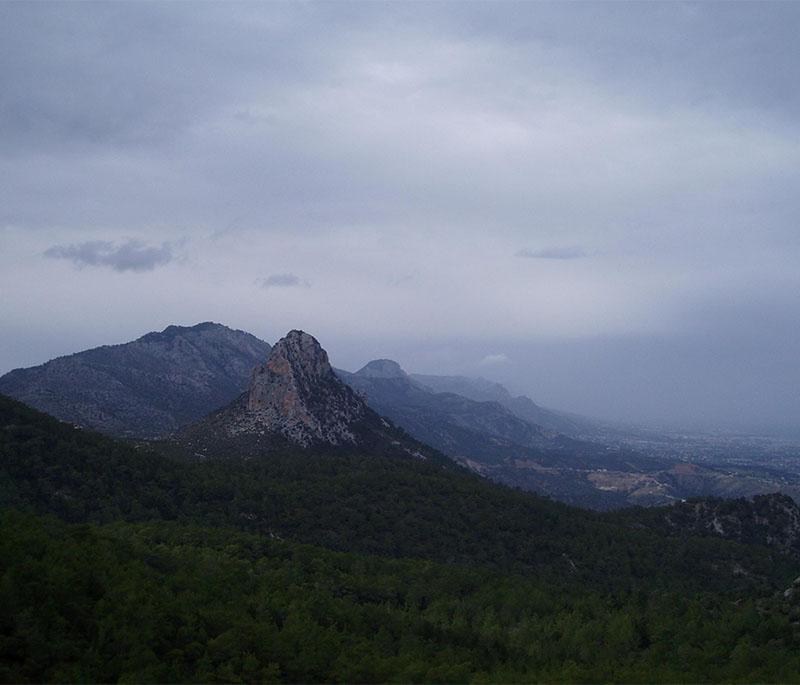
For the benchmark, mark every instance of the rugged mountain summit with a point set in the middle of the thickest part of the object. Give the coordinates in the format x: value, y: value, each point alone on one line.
x: 296, y: 393
x: 296, y: 399
x: 145, y: 388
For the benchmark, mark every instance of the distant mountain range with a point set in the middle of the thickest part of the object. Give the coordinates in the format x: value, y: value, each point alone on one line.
x: 484, y: 429
x: 219, y: 390
x: 482, y: 390
x: 450, y: 422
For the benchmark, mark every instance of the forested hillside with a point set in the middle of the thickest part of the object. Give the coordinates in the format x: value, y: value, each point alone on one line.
x: 402, y: 507
x: 328, y: 566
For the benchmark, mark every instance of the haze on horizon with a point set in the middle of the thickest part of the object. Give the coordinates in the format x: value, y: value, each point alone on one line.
x: 595, y: 204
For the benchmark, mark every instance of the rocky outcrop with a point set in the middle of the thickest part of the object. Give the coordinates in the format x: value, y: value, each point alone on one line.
x: 145, y: 388
x: 771, y: 520
x: 295, y: 393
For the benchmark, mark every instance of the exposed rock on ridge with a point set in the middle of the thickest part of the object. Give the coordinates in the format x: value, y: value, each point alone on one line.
x: 296, y: 393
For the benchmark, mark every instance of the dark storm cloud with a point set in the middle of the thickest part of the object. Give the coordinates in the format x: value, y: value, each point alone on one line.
x: 567, y: 252
x: 283, y: 281
x: 130, y: 256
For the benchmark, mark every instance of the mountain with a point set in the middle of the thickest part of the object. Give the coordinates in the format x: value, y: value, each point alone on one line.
x: 154, y: 386
x: 145, y: 388
x: 296, y: 399
x: 483, y: 390
x: 330, y: 559
x: 383, y: 368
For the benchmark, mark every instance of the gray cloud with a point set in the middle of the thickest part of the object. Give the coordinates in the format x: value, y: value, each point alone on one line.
x: 566, y: 252
x: 132, y: 255
x: 286, y: 280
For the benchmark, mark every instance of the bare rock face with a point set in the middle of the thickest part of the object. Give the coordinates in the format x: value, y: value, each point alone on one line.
x: 296, y: 393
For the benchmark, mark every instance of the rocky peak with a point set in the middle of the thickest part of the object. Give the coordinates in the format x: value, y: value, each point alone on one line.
x: 295, y: 393
x: 298, y: 356
x: 382, y: 368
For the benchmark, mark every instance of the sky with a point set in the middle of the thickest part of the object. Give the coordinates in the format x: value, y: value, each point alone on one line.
x: 594, y: 203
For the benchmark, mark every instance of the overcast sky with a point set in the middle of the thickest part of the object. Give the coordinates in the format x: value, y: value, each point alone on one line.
x: 594, y: 203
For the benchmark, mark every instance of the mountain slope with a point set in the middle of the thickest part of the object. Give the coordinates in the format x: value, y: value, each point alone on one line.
x: 145, y: 388
x: 483, y: 431
x: 163, y: 381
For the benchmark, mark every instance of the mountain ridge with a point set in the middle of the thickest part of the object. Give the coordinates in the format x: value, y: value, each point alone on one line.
x: 144, y: 388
